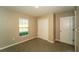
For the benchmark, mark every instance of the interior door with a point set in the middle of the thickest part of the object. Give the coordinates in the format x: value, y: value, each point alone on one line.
x: 66, y: 30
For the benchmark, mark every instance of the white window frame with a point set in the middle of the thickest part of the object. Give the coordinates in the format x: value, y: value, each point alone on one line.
x: 22, y: 25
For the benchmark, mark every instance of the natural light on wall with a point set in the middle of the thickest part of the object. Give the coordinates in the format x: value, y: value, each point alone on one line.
x: 36, y: 6
x: 23, y: 26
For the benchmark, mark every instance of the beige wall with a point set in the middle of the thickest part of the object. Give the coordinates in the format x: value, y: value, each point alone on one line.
x: 50, y: 18
x: 9, y: 22
x: 51, y: 27
x: 77, y: 27
x: 43, y: 27
x: 57, y: 20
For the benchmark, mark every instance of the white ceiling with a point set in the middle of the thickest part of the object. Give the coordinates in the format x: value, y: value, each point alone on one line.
x: 42, y: 10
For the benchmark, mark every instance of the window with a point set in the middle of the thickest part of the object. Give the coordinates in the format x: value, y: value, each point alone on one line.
x: 23, y: 27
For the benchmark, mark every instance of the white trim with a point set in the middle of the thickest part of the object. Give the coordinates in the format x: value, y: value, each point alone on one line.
x: 50, y: 41
x: 47, y: 40
x: 16, y: 43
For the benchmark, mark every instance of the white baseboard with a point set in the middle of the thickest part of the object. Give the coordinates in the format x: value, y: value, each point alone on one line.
x: 47, y: 40
x: 16, y: 43
x: 50, y: 41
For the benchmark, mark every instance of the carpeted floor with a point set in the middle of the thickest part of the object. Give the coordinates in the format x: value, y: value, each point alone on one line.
x: 39, y: 45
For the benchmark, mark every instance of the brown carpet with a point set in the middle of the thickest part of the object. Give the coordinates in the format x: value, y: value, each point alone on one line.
x: 39, y: 45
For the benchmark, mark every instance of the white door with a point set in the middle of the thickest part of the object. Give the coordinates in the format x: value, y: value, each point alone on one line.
x: 66, y: 30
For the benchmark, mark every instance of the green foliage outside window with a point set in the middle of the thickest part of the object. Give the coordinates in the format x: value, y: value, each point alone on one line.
x: 23, y: 33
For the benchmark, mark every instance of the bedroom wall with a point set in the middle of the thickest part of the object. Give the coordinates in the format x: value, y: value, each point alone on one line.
x: 46, y: 27
x: 43, y: 27
x: 9, y: 22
